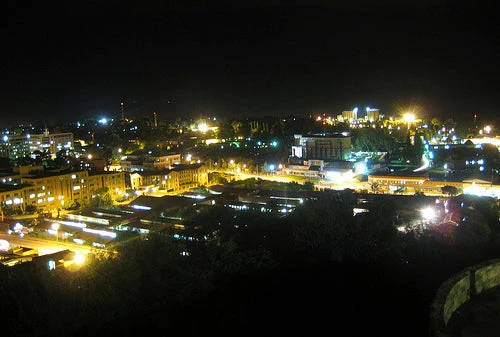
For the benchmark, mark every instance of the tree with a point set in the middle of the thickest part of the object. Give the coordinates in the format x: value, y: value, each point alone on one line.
x: 308, y: 186
x: 418, y: 146
x: 5, y: 162
x: 450, y: 190
x: 473, y: 228
x: 321, y: 227
x: 101, y: 198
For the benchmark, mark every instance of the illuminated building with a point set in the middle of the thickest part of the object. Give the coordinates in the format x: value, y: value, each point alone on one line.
x: 325, y: 147
x: 52, y: 190
x: 373, y: 115
x: 350, y: 115
x: 23, y: 145
x: 179, y: 177
x: 420, y: 182
x: 158, y: 160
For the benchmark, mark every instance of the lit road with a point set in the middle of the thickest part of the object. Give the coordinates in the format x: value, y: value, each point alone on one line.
x: 44, y: 246
x: 322, y: 184
x: 282, y: 179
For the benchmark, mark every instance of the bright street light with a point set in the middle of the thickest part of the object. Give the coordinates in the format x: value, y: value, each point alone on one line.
x: 428, y: 213
x: 55, y: 226
x: 409, y: 118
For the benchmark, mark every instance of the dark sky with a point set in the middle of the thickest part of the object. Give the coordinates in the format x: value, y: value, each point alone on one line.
x: 66, y: 60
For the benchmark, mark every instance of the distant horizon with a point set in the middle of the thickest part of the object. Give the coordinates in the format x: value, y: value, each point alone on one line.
x: 51, y: 121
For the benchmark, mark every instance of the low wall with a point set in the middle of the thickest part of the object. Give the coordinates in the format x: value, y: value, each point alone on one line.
x: 459, y: 289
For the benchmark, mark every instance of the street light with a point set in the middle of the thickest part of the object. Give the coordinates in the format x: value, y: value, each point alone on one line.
x: 409, y: 118
x: 55, y: 226
x: 428, y: 213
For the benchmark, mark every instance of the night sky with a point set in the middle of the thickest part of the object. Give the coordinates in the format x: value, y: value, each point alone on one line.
x: 75, y: 59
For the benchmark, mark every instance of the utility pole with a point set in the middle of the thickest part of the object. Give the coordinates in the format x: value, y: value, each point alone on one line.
x: 156, y: 122
x: 121, y: 106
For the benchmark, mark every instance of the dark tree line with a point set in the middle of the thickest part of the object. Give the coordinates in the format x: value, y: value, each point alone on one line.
x: 253, y: 268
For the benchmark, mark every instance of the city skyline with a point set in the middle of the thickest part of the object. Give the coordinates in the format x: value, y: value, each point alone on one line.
x: 248, y: 59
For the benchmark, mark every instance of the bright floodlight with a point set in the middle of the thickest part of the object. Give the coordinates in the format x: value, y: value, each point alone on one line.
x: 55, y: 226
x: 428, y: 213
x: 79, y: 258
x: 409, y: 117
x: 4, y: 245
x: 203, y: 127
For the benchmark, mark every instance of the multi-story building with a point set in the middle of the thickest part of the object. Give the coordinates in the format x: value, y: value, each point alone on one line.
x: 149, y: 161
x: 23, y: 145
x: 350, y: 115
x: 53, y: 142
x: 372, y: 115
x: 114, y: 181
x: 12, y: 196
x: 52, y: 189
x: 162, y: 162
x: 165, y: 180
x: 325, y: 147
x: 179, y: 177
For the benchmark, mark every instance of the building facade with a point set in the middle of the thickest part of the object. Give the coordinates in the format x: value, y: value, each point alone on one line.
x: 180, y: 177
x: 23, y: 145
x: 53, y: 190
x: 325, y: 147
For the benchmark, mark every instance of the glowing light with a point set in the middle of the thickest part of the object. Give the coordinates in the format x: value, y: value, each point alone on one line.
x: 428, y: 213
x: 141, y: 207
x: 424, y: 166
x: 79, y: 258
x: 4, y: 245
x: 409, y: 118
x: 100, y: 232
x: 360, y: 167
x: 203, y: 127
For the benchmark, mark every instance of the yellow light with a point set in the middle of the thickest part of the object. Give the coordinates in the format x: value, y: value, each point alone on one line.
x: 203, y: 127
x: 409, y: 117
x: 428, y: 213
x: 79, y: 258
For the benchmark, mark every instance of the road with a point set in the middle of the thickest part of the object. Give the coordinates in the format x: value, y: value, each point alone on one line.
x: 322, y: 184
x: 44, y: 246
